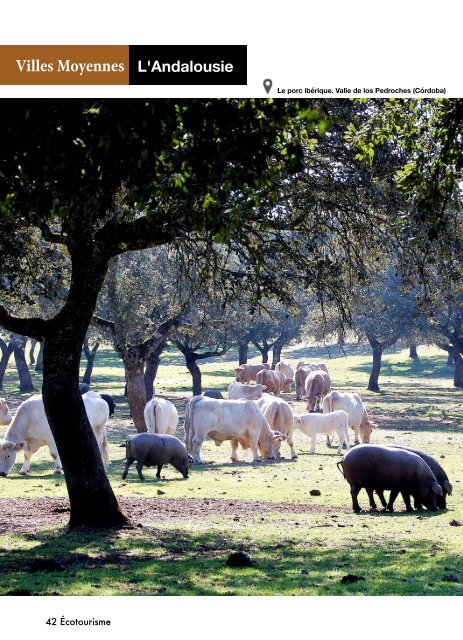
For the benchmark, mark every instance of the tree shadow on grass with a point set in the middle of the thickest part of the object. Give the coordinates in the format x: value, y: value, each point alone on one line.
x: 153, y: 561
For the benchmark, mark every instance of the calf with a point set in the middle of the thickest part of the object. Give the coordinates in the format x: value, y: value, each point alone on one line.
x: 286, y: 369
x: 317, y: 385
x: 155, y: 450
x: 274, y: 381
x: 373, y: 467
x: 236, y: 390
x: 247, y: 373
x: 327, y: 423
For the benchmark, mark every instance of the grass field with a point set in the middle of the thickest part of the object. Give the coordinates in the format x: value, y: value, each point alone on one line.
x: 300, y: 544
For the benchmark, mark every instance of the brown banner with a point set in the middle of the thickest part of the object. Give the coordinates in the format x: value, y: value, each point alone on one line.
x: 66, y: 64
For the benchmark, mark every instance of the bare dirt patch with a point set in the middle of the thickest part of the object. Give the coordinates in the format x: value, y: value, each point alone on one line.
x: 23, y: 515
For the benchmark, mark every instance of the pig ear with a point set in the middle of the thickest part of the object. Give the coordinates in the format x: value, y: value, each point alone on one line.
x: 437, y: 489
x: 448, y: 487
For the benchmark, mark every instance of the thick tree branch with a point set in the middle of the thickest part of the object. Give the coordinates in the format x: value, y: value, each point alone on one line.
x: 36, y: 328
x: 51, y: 236
x: 117, y: 237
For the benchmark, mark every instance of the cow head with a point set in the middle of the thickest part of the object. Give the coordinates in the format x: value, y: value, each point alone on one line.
x: 366, y: 427
x: 8, y: 455
x: 5, y: 415
x: 311, y: 402
x: 286, y: 384
x: 269, y: 446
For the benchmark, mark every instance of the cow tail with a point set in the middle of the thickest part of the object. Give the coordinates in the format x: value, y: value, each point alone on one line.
x: 340, y: 467
x: 150, y: 416
x: 105, y: 449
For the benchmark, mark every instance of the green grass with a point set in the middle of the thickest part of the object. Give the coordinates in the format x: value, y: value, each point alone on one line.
x: 300, y: 544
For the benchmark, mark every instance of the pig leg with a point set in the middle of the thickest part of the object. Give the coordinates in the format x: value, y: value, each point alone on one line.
x: 392, y: 497
x: 158, y: 475
x: 371, y: 499
x: 406, y: 499
x: 139, y: 466
x: 354, y: 491
x: 380, y: 494
x: 128, y: 463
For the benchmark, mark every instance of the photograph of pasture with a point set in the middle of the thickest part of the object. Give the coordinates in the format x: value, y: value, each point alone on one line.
x: 231, y: 340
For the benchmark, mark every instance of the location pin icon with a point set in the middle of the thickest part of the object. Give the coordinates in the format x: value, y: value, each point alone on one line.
x: 267, y: 84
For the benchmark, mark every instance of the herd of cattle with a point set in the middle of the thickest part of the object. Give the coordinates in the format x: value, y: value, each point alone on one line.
x: 255, y: 417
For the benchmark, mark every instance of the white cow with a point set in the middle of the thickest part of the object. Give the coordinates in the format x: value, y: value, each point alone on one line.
x: 358, y: 417
x: 285, y: 368
x: 240, y: 421
x: 237, y: 390
x: 30, y: 430
x: 278, y: 414
x: 327, y: 423
x: 161, y: 416
x: 5, y: 415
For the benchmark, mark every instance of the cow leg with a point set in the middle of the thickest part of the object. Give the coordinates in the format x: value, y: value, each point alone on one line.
x: 354, y: 491
x: 342, y: 440
x: 158, y: 475
x: 234, y: 450
x: 139, y: 466
x: 291, y: 446
x: 128, y: 464
x: 371, y: 499
x: 406, y: 499
x: 313, y: 438
x: 27, y: 462
x: 255, y: 451
x: 329, y: 440
x: 54, y: 454
x: 392, y: 497
x: 356, y: 435
x: 380, y: 494
x: 197, y: 442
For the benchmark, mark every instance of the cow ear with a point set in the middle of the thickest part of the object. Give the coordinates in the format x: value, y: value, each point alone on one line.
x: 448, y: 487
x: 437, y: 489
x: 19, y: 445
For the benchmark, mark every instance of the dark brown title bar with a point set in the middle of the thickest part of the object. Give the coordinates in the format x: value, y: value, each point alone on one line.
x: 123, y: 64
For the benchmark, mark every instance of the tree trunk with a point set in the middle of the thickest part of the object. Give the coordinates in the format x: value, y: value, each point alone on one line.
x: 458, y: 375
x: 39, y: 363
x: 7, y: 350
x: 151, y: 370
x: 134, y: 363
x: 413, y: 352
x: 90, y: 354
x: 25, y: 380
x: 264, y: 350
x: 31, y: 352
x: 450, y: 360
x: 243, y: 353
x: 195, y: 371
x: 375, y: 371
x: 92, y: 500
x: 276, y: 354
